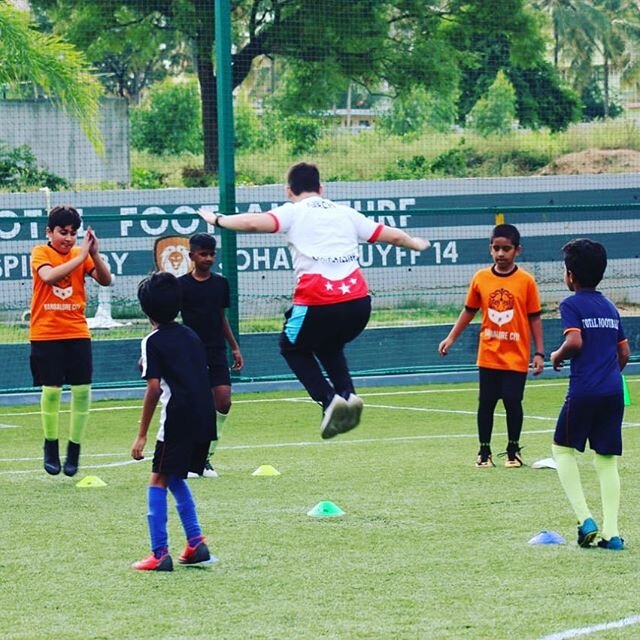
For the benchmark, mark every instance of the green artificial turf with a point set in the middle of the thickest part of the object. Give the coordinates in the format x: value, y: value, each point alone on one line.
x: 429, y: 546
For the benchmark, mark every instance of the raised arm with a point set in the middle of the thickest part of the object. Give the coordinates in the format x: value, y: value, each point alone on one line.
x: 399, y: 238
x: 101, y: 273
x: 53, y: 275
x: 250, y: 222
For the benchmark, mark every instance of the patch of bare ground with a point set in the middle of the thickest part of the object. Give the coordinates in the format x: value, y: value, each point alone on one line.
x: 592, y: 161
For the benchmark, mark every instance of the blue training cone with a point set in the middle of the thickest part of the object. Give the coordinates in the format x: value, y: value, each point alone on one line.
x: 547, y: 537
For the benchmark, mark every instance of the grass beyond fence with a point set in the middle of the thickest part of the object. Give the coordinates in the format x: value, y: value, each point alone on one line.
x: 429, y: 546
x: 348, y: 157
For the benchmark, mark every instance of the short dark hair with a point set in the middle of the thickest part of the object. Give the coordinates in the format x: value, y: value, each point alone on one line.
x: 304, y: 177
x: 506, y: 231
x: 63, y: 216
x: 159, y: 296
x: 200, y: 241
x: 587, y: 261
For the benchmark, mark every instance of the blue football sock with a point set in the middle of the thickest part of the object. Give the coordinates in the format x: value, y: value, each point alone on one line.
x: 157, y: 519
x: 186, y: 508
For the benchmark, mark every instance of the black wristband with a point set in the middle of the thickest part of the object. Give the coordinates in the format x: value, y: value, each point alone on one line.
x: 217, y: 221
x: 537, y: 353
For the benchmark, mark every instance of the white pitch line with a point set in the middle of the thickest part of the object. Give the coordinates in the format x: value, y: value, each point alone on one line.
x: 238, y: 447
x: 84, y: 466
x: 84, y: 455
x: 456, y: 411
x: 317, y: 443
x: 469, y: 412
x: 305, y: 399
x: 284, y: 445
x: 585, y: 631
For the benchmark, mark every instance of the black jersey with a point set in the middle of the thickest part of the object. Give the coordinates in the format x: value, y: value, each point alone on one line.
x: 176, y: 356
x: 203, y: 303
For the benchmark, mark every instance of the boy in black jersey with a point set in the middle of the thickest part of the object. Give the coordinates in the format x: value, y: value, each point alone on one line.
x: 205, y: 296
x: 174, y: 365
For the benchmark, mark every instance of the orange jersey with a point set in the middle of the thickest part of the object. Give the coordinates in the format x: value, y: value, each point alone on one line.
x: 57, y: 311
x: 506, y: 303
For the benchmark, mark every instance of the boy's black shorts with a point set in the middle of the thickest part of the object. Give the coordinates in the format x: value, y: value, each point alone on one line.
x: 218, y: 367
x: 177, y: 458
x: 57, y: 362
x: 497, y: 384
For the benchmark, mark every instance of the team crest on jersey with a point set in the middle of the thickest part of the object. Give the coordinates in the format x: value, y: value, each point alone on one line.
x: 501, y: 303
x: 171, y: 254
x: 62, y: 292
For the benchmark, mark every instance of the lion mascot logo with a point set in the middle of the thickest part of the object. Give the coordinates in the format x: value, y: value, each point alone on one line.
x: 501, y: 303
x: 171, y: 254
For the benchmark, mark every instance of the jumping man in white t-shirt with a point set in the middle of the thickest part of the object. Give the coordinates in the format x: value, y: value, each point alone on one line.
x: 331, y: 302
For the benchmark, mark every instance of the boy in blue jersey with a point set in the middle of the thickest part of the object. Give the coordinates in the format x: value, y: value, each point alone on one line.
x: 174, y: 364
x: 595, y: 342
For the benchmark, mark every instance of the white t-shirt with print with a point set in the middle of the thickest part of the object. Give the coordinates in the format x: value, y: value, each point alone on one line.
x: 323, y: 239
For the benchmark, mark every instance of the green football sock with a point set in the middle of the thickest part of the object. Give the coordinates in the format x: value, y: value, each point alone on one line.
x: 221, y: 418
x: 80, y: 404
x: 569, y: 476
x: 50, y: 411
x: 607, y: 469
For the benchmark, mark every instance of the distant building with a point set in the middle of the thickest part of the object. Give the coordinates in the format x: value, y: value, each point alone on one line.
x: 354, y: 120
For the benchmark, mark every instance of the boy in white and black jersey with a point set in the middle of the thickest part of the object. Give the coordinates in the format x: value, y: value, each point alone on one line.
x: 331, y: 303
x: 174, y: 364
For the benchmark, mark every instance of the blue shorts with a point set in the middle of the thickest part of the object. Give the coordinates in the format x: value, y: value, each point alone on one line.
x: 597, y: 419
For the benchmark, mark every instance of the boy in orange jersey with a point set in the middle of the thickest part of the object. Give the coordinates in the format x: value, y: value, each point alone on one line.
x: 510, y: 303
x: 59, y: 335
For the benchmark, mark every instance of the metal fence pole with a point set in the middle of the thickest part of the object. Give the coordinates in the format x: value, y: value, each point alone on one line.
x: 226, y: 153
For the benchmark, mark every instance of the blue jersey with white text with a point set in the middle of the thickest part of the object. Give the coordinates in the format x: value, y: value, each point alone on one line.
x: 594, y: 370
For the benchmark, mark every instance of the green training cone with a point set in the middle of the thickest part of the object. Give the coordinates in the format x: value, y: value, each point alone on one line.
x: 266, y: 470
x: 325, y: 509
x: 625, y: 392
x: 91, y: 481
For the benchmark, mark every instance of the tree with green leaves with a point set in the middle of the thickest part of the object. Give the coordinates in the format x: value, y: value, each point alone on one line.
x: 398, y: 44
x: 617, y: 41
x: 169, y: 120
x: 515, y: 45
x: 26, y: 55
x: 128, y: 48
x: 495, y: 112
x: 595, y: 37
x: 569, y: 21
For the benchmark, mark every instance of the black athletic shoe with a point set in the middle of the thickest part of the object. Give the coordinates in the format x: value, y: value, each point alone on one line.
x: 51, y: 457
x: 513, y: 459
x: 484, y: 459
x: 71, y: 463
x: 197, y: 556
